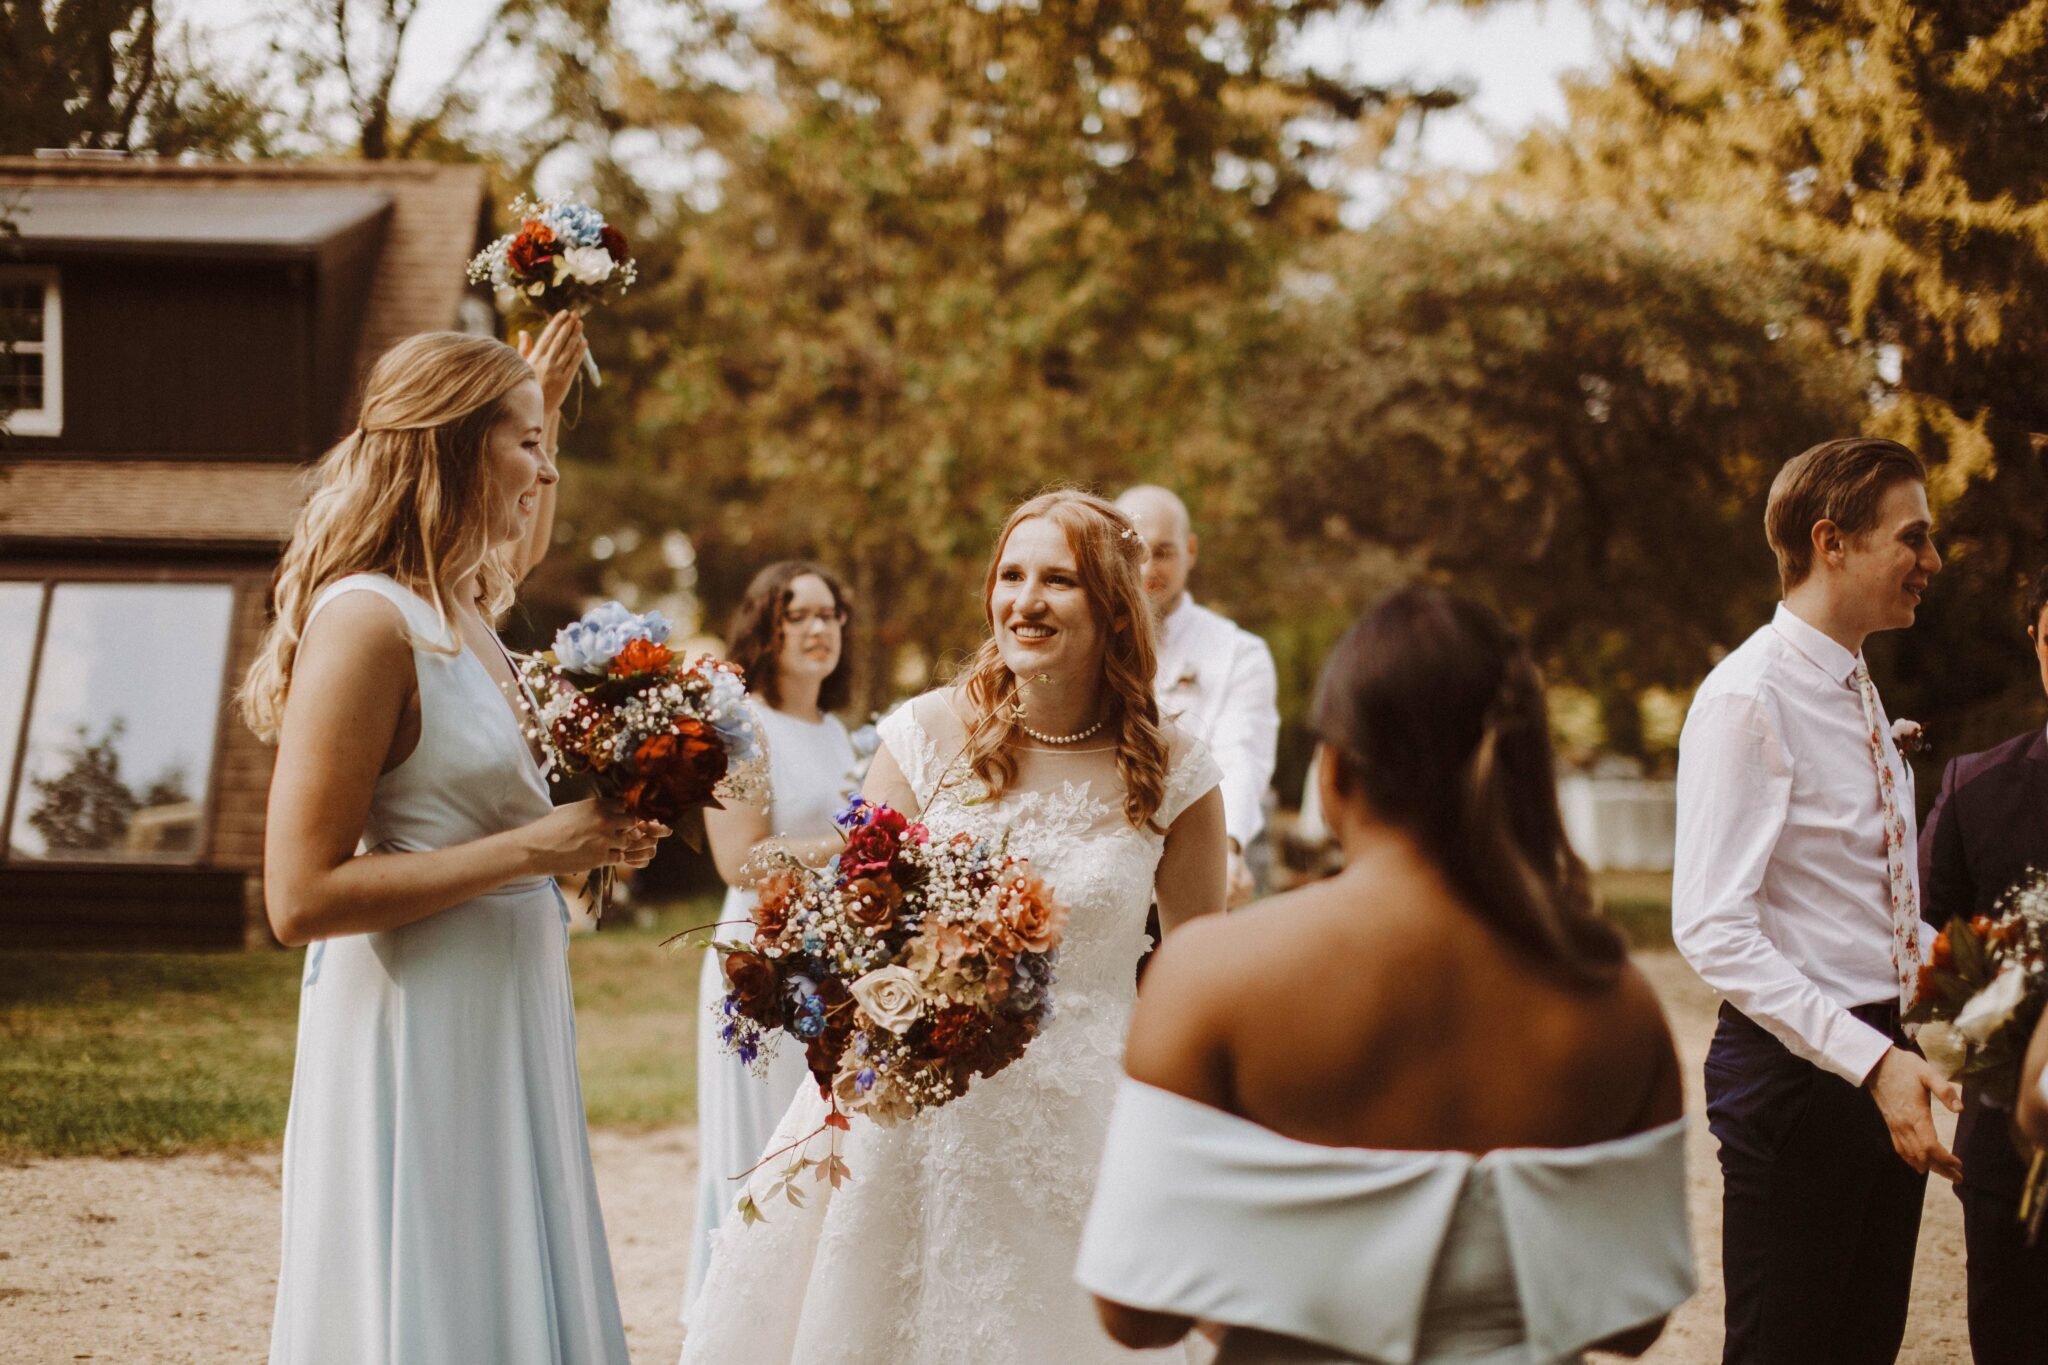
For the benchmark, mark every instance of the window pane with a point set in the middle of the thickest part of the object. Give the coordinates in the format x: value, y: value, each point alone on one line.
x: 21, y: 381
x: 21, y: 312
x: 120, y: 742
x: 20, y: 604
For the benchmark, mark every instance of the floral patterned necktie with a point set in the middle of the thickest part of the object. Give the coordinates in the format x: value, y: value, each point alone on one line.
x: 1905, y: 902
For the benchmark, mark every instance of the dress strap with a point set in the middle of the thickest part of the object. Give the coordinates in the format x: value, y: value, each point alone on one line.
x: 422, y: 622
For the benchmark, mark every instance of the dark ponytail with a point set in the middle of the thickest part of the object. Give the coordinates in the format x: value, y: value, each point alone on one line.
x: 1436, y: 716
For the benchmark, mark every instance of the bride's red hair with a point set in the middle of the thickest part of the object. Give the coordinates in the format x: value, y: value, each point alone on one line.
x: 1108, y: 556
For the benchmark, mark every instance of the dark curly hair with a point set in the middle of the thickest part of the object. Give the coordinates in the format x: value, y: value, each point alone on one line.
x: 756, y: 632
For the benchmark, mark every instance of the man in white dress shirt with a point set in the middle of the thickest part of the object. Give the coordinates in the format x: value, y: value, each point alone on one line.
x: 1795, y: 895
x: 1215, y: 680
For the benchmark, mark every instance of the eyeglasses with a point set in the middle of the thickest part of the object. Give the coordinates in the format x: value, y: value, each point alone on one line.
x: 828, y: 616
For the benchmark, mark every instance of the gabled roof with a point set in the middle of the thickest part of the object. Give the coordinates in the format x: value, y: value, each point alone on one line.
x: 436, y: 215
x: 191, y: 221
x: 419, y: 221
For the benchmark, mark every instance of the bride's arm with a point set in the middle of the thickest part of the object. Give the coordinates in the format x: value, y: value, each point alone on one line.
x: 887, y: 786
x: 1192, y: 880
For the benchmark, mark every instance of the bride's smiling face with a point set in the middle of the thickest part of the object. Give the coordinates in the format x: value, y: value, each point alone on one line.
x: 1043, y: 619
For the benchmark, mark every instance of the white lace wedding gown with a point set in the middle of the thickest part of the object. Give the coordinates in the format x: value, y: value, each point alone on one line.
x: 954, y: 1241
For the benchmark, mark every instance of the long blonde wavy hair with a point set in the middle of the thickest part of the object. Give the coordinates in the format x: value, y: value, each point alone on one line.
x: 1108, y: 556
x: 403, y: 494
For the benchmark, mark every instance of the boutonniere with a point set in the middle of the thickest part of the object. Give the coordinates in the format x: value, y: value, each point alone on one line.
x: 1910, y: 736
x: 1187, y: 677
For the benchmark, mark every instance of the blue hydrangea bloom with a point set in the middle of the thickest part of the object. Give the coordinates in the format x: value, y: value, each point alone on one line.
x: 576, y: 224
x: 865, y: 1079
x: 590, y: 644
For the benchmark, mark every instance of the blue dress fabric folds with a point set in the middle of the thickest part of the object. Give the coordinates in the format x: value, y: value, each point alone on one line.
x: 439, y: 1203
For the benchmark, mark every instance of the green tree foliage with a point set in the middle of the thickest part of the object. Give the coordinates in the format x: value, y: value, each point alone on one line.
x: 1895, y: 155
x: 966, y: 249
x: 1568, y: 413
x: 108, y: 75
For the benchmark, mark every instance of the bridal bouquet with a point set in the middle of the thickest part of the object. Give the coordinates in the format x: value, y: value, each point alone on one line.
x: 564, y: 257
x: 658, y: 733
x: 904, y: 969
x: 1978, y: 999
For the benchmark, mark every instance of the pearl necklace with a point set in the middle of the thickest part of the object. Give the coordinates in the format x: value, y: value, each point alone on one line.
x: 1074, y: 738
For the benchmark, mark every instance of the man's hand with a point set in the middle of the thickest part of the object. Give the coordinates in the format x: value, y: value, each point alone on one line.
x: 1240, y: 880
x: 1901, y: 1083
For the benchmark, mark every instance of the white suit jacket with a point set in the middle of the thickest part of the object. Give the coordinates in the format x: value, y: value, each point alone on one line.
x: 1217, y: 681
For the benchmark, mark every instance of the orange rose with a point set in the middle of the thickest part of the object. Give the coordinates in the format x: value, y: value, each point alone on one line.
x: 1025, y: 911
x: 1944, y: 952
x: 775, y: 895
x: 640, y: 656
x: 872, y: 901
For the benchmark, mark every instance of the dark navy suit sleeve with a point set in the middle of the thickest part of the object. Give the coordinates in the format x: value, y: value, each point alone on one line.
x: 1945, y: 886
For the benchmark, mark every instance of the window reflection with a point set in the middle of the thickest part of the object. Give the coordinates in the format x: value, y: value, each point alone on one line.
x: 20, y: 605
x: 121, y: 735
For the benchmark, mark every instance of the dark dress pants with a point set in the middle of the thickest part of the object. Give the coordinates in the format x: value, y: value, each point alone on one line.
x: 2008, y: 1279
x: 1820, y: 1217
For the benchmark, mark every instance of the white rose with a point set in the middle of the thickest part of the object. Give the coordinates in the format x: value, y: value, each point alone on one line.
x: 1990, y: 1008
x: 1946, y: 1050
x: 588, y: 264
x: 891, y: 996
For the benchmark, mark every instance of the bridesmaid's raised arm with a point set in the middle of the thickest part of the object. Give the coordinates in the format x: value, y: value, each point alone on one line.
x: 555, y: 356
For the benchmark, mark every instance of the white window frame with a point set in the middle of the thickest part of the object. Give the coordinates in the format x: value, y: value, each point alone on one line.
x: 48, y: 420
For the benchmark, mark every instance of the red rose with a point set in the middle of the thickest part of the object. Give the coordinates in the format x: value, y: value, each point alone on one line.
x: 532, y: 248
x: 868, y: 851
x: 614, y: 243
x: 674, y: 772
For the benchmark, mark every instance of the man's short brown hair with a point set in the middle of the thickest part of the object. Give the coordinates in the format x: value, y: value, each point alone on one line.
x: 1840, y: 481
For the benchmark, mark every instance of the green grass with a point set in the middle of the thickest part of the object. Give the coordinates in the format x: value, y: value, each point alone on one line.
x: 1639, y: 904
x: 120, y: 1054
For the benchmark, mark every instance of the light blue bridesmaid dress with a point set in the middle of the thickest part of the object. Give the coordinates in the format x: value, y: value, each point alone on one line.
x: 439, y: 1205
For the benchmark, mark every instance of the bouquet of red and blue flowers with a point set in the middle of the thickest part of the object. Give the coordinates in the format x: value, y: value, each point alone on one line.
x: 564, y: 258
x: 1979, y: 996
x: 904, y: 969
x: 658, y: 733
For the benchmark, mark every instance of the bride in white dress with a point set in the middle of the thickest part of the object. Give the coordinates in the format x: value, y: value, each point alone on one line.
x: 955, y: 1238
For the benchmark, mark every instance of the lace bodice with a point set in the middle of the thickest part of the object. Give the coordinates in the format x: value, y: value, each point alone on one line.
x: 955, y: 1237
x: 1064, y: 812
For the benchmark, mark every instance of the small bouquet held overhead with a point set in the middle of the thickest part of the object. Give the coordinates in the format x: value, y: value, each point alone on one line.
x: 662, y: 735
x: 564, y: 258
x: 904, y: 969
x: 1979, y: 997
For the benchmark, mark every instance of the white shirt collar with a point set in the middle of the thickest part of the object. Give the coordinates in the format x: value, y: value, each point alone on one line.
x: 1820, y: 650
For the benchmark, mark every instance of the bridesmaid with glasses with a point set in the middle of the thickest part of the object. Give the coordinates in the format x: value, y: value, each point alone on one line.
x: 787, y: 634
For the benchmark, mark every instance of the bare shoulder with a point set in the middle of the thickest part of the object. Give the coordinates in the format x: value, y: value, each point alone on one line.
x: 1639, y: 1012
x: 357, y: 630
x: 1180, y: 1024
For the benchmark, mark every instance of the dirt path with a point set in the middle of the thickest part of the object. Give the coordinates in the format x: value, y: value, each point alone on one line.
x: 163, y: 1261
